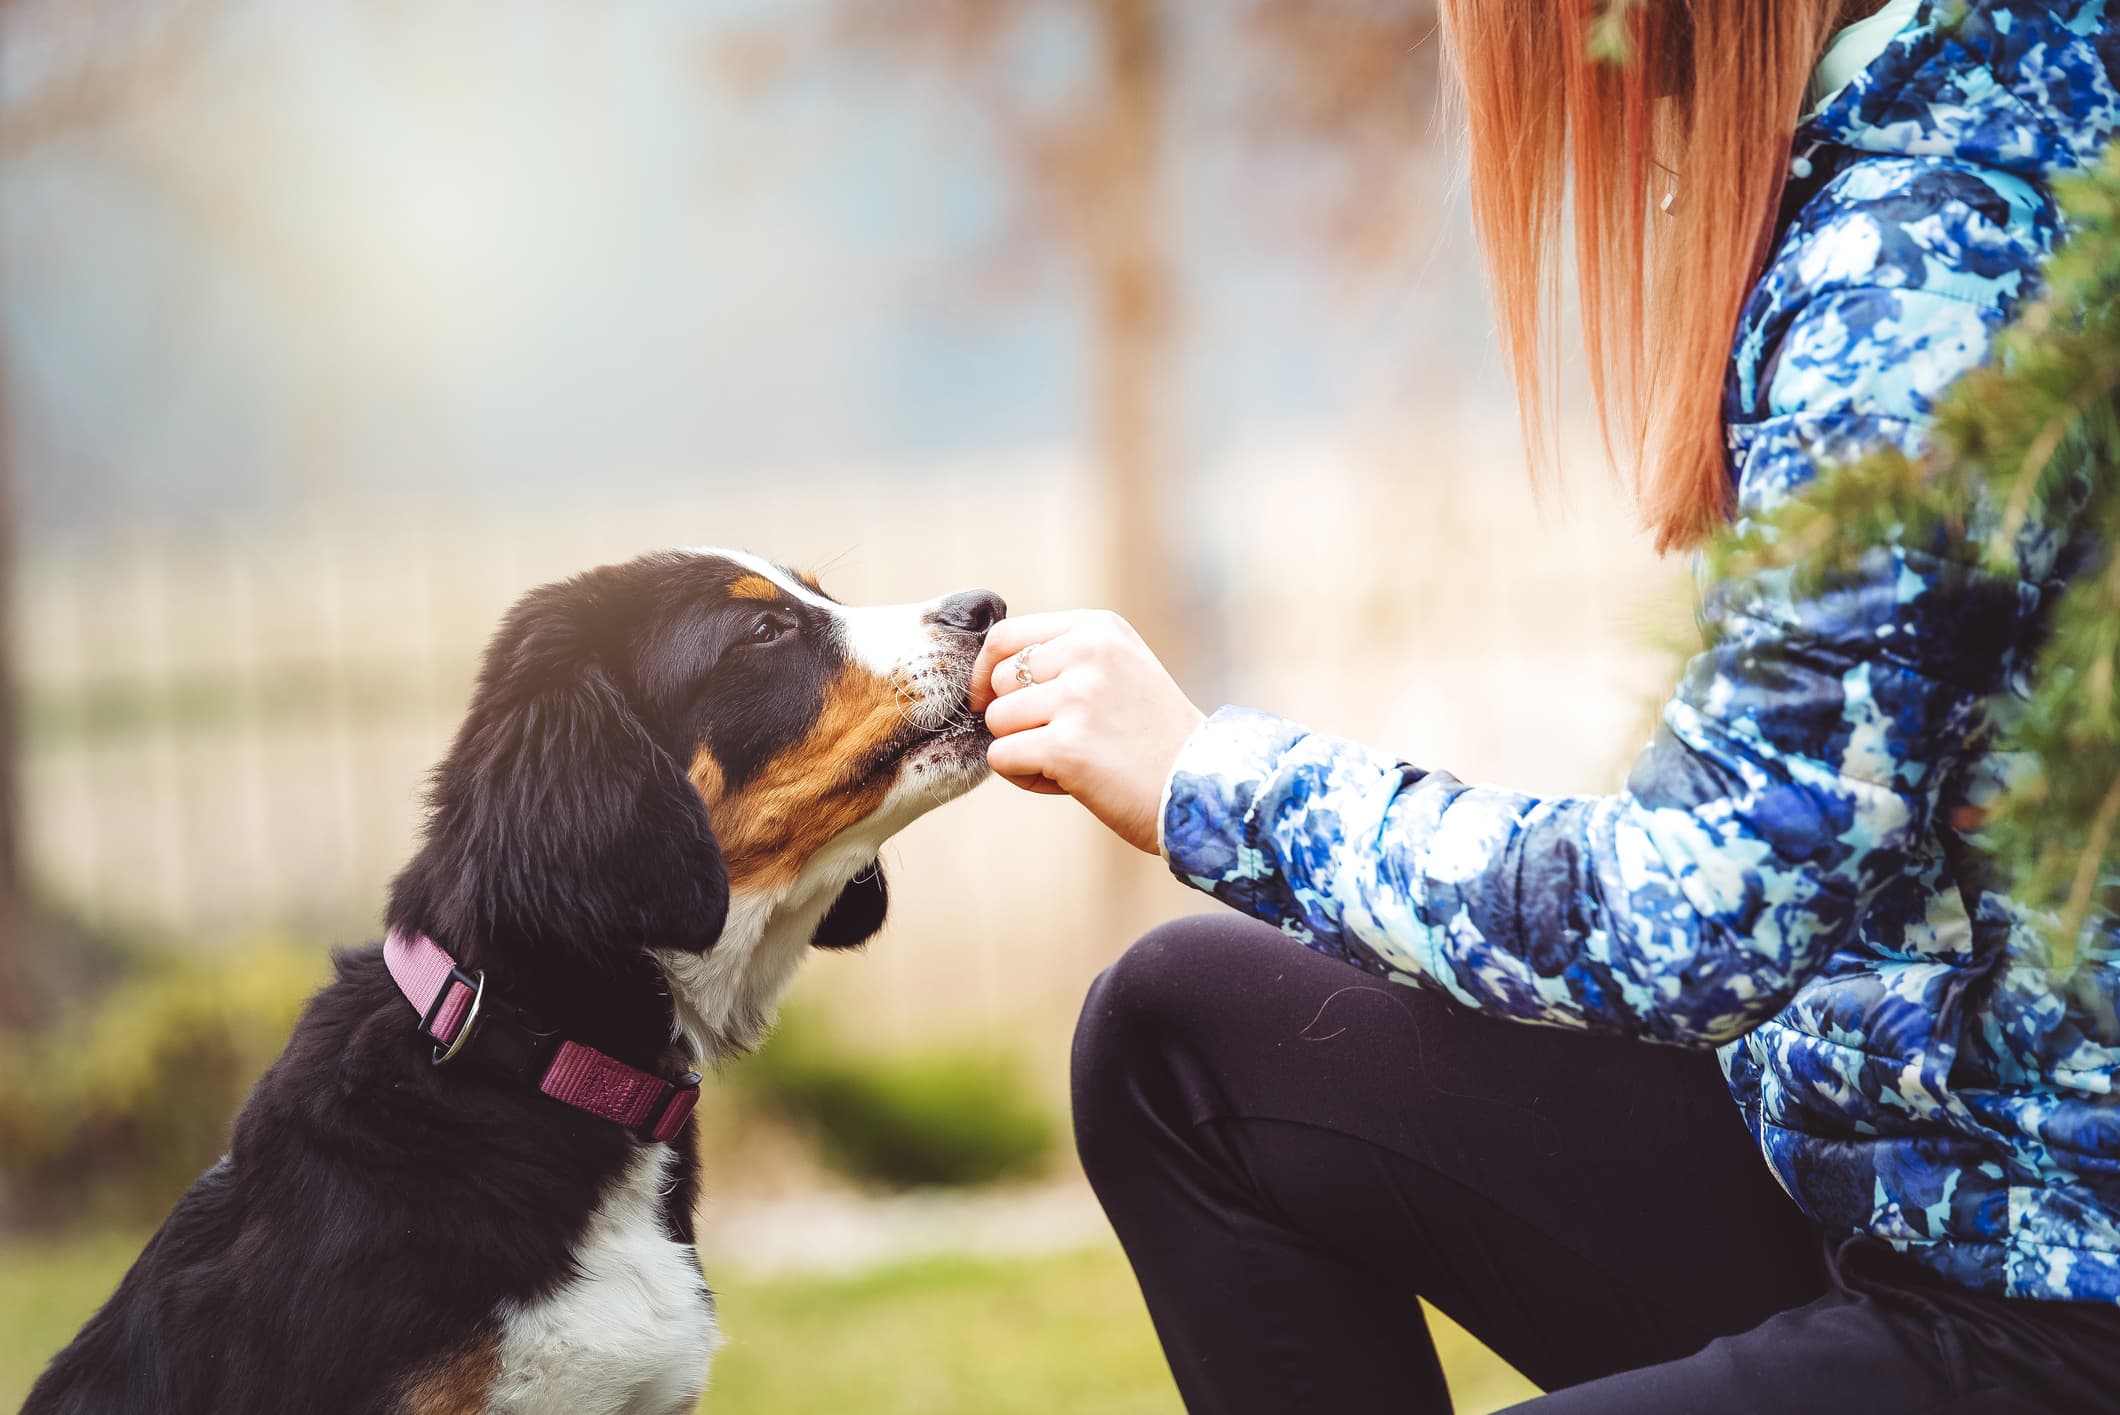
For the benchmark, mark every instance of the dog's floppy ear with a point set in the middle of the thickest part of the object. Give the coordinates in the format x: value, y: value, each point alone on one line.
x: 857, y: 914
x: 557, y: 818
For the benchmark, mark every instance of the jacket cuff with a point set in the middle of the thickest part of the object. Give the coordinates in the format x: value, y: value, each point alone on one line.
x: 1206, y: 822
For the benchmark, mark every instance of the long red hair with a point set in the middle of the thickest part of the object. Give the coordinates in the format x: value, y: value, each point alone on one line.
x: 1668, y: 156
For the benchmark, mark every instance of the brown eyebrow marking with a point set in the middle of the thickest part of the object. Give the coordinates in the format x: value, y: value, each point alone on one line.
x: 754, y: 587
x: 810, y: 581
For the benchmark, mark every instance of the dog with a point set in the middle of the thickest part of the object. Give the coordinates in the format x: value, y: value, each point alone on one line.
x: 463, y: 1187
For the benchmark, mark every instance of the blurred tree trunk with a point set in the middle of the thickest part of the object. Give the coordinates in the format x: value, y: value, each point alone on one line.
x: 94, y: 59
x: 17, y: 995
x: 1134, y: 301
x: 17, y: 976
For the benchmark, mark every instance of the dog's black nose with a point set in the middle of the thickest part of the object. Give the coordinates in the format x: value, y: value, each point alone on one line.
x: 972, y: 611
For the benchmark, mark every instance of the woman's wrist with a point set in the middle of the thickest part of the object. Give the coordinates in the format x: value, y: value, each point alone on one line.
x: 1170, y: 783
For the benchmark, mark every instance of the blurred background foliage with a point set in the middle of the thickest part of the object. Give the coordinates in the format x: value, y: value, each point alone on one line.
x: 961, y: 1114
x: 132, y: 1089
x: 330, y: 326
x: 130, y: 1094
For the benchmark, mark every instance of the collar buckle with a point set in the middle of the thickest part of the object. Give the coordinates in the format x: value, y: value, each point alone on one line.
x: 671, y: 1109
x: 448, y: 1047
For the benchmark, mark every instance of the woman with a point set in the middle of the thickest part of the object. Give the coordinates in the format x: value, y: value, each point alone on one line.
x: 1915, y: 1203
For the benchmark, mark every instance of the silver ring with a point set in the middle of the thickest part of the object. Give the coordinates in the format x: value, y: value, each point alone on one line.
x: 1023, y: 667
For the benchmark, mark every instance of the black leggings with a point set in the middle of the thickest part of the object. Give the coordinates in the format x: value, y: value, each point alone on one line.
x: 1293, y: 1154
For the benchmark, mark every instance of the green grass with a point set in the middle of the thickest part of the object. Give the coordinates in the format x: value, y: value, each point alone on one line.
x: 955, y: 1336
x: 50, y: 1288
x: 944, y: 1336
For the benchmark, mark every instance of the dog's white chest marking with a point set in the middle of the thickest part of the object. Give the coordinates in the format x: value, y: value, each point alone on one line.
x: 632, y: 1333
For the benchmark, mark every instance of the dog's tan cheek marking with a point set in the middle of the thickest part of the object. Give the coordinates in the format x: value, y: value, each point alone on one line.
x: 802, y: 798
x: 454, y: 1384
x: 707, y: 779
x: 754, y: 587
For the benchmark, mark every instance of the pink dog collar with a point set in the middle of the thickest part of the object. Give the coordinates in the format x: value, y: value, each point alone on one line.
x: 455, y: 1009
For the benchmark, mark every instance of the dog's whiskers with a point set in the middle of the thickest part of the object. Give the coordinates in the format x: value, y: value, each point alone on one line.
x: 930, y: 697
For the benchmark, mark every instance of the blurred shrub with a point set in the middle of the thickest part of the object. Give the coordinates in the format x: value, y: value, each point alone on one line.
x: 115, y: 1107
x: 955, y: 1115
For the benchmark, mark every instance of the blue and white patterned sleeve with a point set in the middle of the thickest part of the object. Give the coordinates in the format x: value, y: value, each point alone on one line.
x: 1795, y: 770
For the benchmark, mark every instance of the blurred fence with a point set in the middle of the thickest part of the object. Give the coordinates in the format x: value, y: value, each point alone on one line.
x: 228, y: 731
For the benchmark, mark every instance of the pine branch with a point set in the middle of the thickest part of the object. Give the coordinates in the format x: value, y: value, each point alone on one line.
x: 2024, y: 463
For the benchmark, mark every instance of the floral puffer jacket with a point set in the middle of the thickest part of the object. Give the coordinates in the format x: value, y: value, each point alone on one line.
x: 1782, y: 876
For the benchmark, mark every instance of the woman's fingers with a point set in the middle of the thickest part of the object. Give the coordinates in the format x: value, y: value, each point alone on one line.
x: 1041, y: 785
x: 990, y: 679
x: 1035, y: 667
x: 1023, y: 756
x: 1022, y: 709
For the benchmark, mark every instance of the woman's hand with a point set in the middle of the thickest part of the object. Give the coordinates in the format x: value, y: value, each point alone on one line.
x: 1100, y: 719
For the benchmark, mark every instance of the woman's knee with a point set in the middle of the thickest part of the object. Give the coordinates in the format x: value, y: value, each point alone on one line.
x: 1133, y: 1004
x: 1139, y: 1012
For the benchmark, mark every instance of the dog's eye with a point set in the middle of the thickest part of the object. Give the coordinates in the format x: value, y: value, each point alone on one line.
x: 768, y: 628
